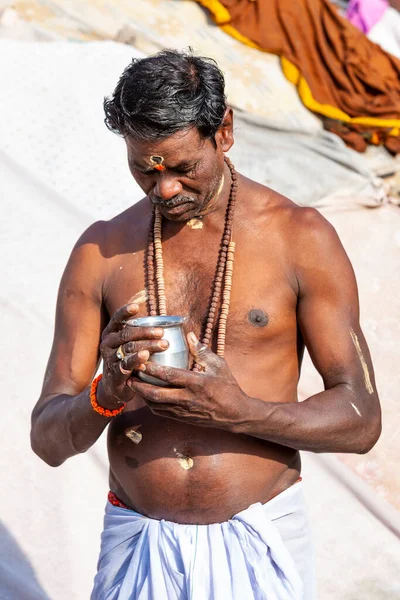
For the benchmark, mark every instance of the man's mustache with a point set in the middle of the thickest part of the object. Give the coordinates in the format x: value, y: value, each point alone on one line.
x: 172, y: 202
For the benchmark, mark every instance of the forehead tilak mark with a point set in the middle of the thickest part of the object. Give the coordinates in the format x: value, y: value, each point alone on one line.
x: 157, y: 162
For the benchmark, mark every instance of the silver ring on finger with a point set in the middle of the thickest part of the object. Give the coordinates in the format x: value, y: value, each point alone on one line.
x: 124, y: 371
x: 120, y: 353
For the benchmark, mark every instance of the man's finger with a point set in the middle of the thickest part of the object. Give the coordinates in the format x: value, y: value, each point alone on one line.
x: 122, y: 314
x: 119, y: 317
x: 176, y: 377
x: 158, y: 395
x: 132, y: 334
x: 133, y: 361
x: 152, y: 346
x: 201, y: 353
x: 130, y: 363
x: 124, y: 371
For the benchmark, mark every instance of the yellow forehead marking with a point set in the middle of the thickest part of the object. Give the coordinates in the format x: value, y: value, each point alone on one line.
x: 367, y: 378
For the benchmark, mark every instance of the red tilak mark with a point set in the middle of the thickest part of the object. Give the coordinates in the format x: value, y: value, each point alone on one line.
x: 159, y: 167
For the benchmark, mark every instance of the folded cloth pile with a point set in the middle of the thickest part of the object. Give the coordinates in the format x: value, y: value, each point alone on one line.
x: 339, y: 73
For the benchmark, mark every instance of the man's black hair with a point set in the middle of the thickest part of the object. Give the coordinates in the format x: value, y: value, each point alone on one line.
x: 165, y: 93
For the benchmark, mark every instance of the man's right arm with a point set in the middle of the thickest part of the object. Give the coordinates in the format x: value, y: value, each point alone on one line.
x: 63, y: 421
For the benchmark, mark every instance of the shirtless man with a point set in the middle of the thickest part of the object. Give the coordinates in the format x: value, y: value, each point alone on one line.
x: 220, y: 446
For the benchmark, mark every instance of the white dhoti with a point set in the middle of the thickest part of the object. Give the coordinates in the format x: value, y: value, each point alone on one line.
x: 262, y: 553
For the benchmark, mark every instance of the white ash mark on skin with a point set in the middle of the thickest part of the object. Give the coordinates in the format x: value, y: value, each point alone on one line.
x: 185, y: 461
x: 134, y: 435
x: 139, y: 298
x: 356, y: 409
x: 195, y: 223
x: 367, y: 378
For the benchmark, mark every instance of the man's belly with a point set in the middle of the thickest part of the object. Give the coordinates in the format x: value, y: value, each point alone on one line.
x: 190, y: 474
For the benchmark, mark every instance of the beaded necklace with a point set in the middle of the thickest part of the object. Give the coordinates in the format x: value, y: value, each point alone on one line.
x: 222, y: 284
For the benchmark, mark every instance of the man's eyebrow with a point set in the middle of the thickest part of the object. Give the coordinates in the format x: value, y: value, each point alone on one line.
x: 184, y: 164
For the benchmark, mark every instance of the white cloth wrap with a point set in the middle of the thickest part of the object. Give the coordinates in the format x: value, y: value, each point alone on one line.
x: 262, y: 553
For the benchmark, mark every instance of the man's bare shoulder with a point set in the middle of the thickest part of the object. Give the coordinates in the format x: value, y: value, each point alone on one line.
x: 106, y: 235
x: 295, y: 221
x: 311, y: 244
x: 305, y: 238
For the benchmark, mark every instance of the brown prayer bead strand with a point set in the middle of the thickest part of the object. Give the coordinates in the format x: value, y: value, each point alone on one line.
x: 223, y: 279
x: 207, y: 338
x: 226, y: 300
x: 230, y: 249
x: 213, y: 309
x: 162, y: 299
x: 227, y: 235
x: 151, y: 287
x: 226, y: 238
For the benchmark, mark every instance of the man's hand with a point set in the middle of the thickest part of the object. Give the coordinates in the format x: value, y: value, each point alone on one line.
x: 136, y: 343
x: 212, y: 398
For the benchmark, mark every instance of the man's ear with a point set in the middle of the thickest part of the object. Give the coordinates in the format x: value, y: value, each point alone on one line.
x: 224, y: 136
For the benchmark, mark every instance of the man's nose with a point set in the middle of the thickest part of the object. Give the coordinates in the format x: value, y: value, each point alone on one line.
x: 167, y: 187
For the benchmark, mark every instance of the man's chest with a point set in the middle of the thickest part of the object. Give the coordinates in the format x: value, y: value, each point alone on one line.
x: 262, y: 300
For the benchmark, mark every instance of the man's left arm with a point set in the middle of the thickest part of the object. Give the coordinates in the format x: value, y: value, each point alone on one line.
x: 346, y: 416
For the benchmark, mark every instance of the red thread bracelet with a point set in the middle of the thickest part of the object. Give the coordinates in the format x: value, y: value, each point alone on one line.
x: 105, y: 412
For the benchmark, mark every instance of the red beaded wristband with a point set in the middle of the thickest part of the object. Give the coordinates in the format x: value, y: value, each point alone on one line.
x: 99, y: 409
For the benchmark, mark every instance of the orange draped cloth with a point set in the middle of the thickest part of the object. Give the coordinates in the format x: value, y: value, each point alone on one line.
x: 340, y: 74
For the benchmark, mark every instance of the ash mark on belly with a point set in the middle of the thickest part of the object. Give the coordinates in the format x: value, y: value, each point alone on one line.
x: 258, y: 318
x: 185, y: 461
x: 134, y: 435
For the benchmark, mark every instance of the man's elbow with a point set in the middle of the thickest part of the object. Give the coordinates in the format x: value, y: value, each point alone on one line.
x: 40, y: 450
x: 370, y: 435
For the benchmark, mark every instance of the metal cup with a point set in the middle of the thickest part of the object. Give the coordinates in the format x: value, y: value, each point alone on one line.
x: 177, y: 353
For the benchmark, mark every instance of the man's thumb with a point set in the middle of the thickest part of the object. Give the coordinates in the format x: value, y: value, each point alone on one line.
x: 202, y: 355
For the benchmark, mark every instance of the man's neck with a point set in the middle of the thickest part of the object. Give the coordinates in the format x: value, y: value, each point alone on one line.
x: 216, y: 207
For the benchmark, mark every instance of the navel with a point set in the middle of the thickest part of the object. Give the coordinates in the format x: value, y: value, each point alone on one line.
x: 185, y: 461
x: 258, y: 318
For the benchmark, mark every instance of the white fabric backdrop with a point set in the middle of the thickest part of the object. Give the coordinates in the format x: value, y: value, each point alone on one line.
x: 60, y: 169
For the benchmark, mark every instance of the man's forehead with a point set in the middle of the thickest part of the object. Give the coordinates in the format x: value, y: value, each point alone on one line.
x: 179, y: 147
